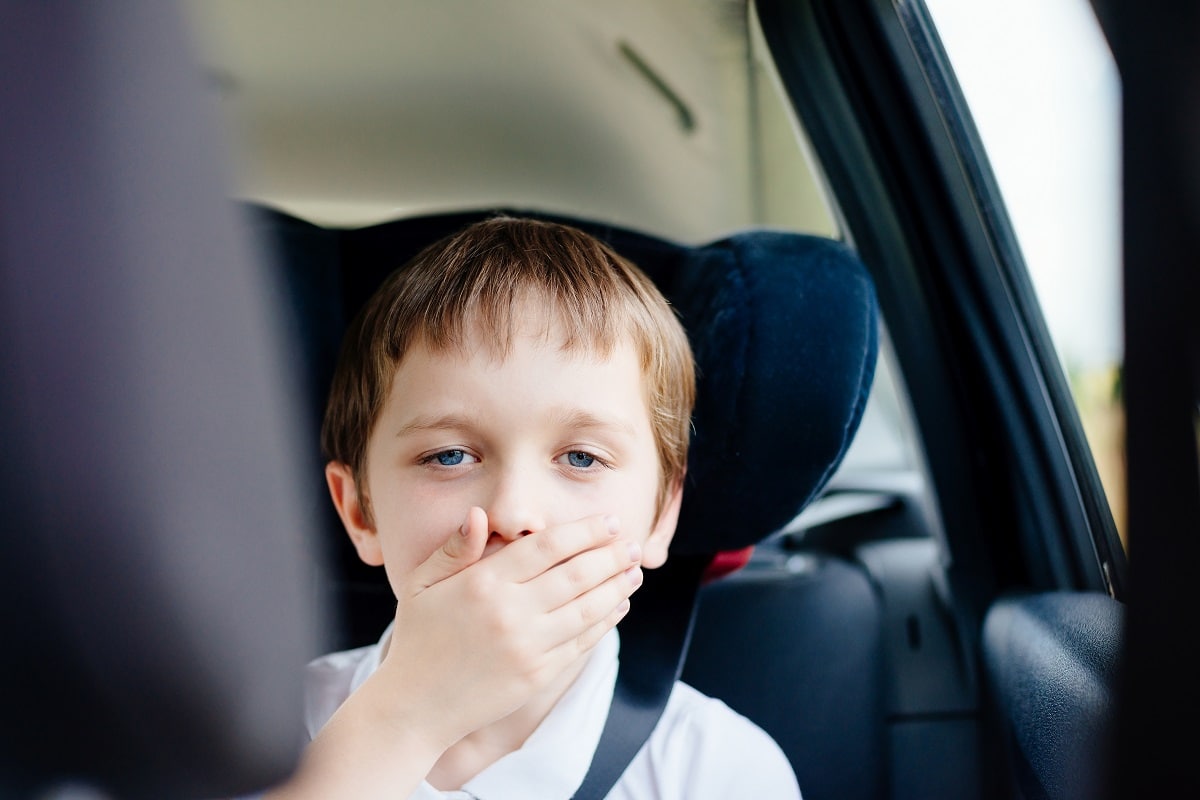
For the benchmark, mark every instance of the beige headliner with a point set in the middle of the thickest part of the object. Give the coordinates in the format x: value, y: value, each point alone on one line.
x: 354, y: 112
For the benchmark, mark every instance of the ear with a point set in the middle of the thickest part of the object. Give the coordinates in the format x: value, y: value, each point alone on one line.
x: 654, y: 551
x: 344, y: 492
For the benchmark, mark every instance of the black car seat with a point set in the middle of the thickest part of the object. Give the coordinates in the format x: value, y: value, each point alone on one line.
x: 784, y: 328
x: 154, y: 579
x: 795, y: 642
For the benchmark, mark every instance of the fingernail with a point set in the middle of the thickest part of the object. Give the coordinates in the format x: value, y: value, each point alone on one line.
x: 462, y: 529
x: 634, y: 574
x: 613, y: 524
x: 635, y: 551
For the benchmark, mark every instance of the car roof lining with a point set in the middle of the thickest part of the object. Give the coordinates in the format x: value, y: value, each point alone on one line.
x: 610, y: 114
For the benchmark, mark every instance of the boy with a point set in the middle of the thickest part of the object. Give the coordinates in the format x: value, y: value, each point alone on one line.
x: 507, y: 436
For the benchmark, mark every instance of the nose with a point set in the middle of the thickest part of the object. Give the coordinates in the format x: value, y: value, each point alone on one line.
x: 514, y: 508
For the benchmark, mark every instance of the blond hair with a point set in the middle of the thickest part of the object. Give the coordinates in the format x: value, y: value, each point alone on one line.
x: 474, y: 282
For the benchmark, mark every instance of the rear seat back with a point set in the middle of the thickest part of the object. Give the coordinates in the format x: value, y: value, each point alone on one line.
x: 793, y: 641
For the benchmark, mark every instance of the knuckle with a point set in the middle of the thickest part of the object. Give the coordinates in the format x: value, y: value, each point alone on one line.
x: 549, y: 545
x: 507, y: 628
x: 589, y: 638
x: 514, y: 655
x: 588, y: 613
x: 576, y: 576
x: 480, y: 587
x: 538, y: 676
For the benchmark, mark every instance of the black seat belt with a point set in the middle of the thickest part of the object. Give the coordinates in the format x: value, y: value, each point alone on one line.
x: 654, y: 638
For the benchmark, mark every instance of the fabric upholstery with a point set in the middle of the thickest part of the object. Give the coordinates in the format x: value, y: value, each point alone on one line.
x: 785, y: 334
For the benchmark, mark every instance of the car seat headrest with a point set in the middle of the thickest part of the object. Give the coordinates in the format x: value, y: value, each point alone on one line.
x: 783, y: 326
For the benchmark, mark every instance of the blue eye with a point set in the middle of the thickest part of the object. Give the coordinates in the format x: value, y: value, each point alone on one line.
x: 578, y: 458
x: 450, y: 457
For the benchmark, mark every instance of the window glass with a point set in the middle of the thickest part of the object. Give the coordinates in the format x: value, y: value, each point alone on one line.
x: 1045, y: 97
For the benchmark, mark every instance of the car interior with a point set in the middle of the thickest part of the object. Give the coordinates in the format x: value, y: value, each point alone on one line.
x: 744, y: 301
x: 894, y: 554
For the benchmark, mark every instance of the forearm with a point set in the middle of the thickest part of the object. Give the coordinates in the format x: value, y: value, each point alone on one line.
x: 366, y: 750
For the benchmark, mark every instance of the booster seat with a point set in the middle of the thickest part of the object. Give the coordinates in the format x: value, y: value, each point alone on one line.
x: 784, y: 329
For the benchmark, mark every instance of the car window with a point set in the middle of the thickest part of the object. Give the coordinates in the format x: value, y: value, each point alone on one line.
x: 1045, y: 97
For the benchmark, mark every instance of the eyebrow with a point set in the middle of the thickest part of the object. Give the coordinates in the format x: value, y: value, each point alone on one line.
x: 575, y: 419
x: 446, y: 422
x: 578, y: 419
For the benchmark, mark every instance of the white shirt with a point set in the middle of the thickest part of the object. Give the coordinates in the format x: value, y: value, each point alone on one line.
x: 700, y: 750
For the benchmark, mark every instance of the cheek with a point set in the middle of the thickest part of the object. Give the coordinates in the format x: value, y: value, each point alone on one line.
x: 412, y: 527
x: 634, y: 500
x: 408, y: 548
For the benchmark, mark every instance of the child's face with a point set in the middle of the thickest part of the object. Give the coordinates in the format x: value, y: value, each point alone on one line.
x: 537, y: 439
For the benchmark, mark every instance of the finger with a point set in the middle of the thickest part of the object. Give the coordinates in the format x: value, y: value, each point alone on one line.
x: 567, y: 652
x: 462, y: 548
x: 601, y: 608
x: 532, y: 555
x: 582, y: 573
